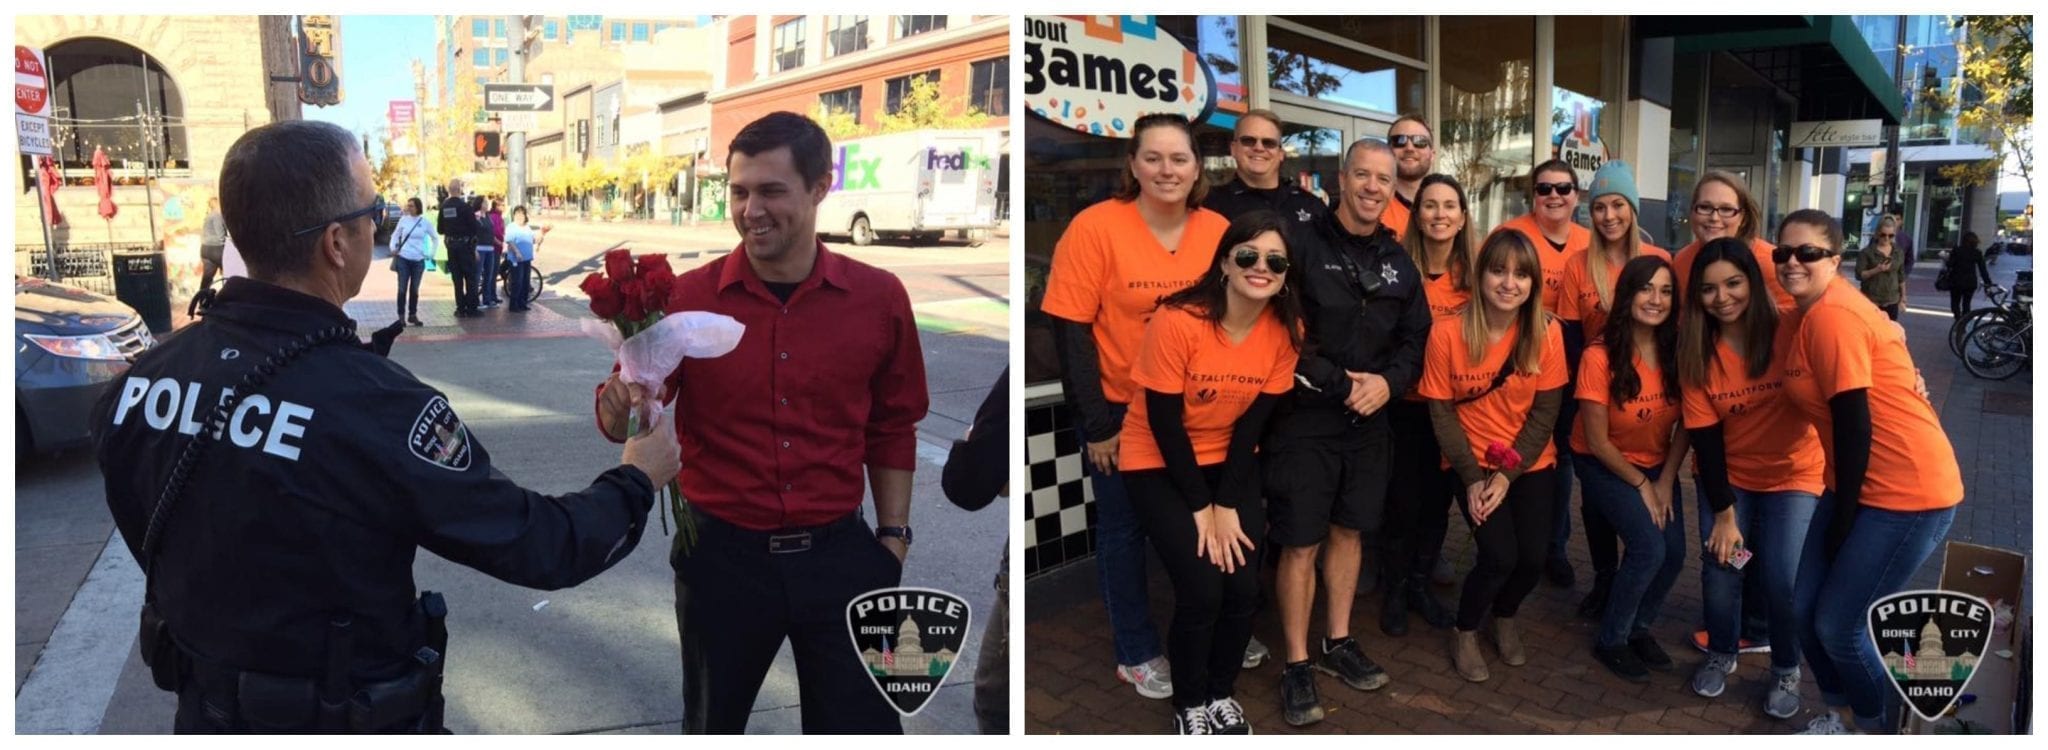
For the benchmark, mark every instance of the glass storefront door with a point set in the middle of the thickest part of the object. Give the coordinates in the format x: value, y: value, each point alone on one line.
x: 1315, y: 141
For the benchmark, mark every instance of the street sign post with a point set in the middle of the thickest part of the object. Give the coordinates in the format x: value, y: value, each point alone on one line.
x: 32, y: 128
x: 519, y: 97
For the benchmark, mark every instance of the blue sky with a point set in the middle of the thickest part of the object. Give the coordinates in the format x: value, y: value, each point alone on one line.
x: 376, y: 68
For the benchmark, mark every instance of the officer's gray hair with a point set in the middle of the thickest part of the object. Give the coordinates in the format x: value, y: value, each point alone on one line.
x: 281, y: 178
x: 1367, y: 144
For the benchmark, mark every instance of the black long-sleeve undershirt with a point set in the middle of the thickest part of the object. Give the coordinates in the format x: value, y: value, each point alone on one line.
x: 1081, y: 376
x: 1851, y: 412
x: 1165, y: 413
x: 1710, y: 453
x: 1529, y: 442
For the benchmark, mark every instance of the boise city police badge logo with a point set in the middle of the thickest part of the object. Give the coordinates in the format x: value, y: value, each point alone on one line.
x: 1930, y: 642
x: 908, y: 638
x: 438, y: 436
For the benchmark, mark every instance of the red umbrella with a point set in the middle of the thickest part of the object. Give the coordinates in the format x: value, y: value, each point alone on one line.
x: 51, y: 182
x: 103, y: 181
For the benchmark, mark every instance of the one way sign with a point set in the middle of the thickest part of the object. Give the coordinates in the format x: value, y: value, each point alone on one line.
x: 519, y: 97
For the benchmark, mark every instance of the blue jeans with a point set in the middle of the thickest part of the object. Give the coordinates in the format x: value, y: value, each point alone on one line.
x: 521, y: 284
x: 1884, y: 549
x: 487, y: 274
x: 1774, y: 529
x: 1653, y: 557
x: 1120, y: 563
x: 409, y: 274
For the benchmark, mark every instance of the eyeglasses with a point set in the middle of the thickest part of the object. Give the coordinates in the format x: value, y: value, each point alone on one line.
x: 1268, y: 144
x: 1559, y: 188
x: 1416, y: 141
x: 1886, y: 235
x: 1805, y: 253
x: 1709, y: 209
x: 1246, y: 257
x: 376, y: 210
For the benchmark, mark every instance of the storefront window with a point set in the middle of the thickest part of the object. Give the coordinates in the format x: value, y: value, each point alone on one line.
x: 1486, y: 137
x: 1401, y: 35
x: 1315, y: 67
x: 1314, y: 156
x: 1585, y: 127
x: 1930, y: 82
x: 1688, y: 74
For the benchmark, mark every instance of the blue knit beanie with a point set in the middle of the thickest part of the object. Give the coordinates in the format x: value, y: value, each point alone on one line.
x: 1616, y: 178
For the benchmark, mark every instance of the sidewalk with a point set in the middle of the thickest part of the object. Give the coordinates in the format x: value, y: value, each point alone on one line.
x: 1070, y: 682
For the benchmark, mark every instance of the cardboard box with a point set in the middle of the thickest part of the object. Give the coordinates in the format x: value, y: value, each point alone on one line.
x: 1997, y: 576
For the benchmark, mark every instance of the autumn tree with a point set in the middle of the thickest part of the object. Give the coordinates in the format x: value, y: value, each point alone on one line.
x: 1995, y: 56
x: 448, y: 148
x: 395, y: 175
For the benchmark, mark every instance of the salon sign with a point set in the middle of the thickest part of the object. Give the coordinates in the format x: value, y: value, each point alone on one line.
x: 1834, y: 133
x: 1099, y: 74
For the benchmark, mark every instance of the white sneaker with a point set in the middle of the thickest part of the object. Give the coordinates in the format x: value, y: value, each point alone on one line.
x: 1227, y: 717
x: 1828, y: 722
x: 1192, y: 720
x: 1255, y: 653
x: 1153, y: 679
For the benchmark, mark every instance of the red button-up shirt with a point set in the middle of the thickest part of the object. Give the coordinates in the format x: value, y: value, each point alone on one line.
x: 778, y: 432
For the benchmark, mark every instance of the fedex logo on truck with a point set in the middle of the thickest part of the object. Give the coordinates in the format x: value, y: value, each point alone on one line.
x: 852, y: 172
x: 955, y: 161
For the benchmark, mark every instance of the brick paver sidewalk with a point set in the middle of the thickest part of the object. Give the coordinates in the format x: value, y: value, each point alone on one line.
x: 1070, y: 682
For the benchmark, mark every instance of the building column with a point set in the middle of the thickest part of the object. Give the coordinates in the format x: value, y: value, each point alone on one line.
x: 1646, y: 128
x: 1980, y: 211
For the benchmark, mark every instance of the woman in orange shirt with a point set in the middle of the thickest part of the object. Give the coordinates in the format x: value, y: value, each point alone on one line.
x: 1893, y: 474
x: 1758, y: 460
x: 1584, y: 297
x: 1629, y: 457
x: 1214, y: 361
x: 1439, y: 240
x: 1723, y: 207
x: 1109, y: 270
x: 1494, y: 378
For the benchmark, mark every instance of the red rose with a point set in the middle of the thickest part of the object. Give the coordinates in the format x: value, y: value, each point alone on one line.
x: 618, y: 265
x: 653, y: 266
x: 635, y: 300
x: 604, y: 298
x: 654, y: 293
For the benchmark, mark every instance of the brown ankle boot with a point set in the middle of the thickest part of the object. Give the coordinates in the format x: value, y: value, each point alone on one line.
x: 1465, y: 655
x: 1509, y: 640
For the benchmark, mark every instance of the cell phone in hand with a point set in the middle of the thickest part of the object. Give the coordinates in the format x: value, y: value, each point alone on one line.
x: 1739, y: 558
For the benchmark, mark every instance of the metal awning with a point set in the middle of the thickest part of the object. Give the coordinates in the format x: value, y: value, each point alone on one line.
x: 1823, y: 61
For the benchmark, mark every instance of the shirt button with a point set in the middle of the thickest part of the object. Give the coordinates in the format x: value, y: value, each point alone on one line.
x: 785, y: 355
x: 785, y: 400
x: 788, y: 486
x: 785, y: 444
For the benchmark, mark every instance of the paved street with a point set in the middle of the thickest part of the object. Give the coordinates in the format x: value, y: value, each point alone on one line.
x: 600, y: 658
x: 1071, y: 684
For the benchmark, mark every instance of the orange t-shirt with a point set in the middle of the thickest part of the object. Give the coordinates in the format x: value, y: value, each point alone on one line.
x: 1109, y: 271
x: 1771, y: 447
x: 1578, y: 299
x: 1683, y: 263
x: 1445, y: 300
x: 1576, y: 238
x: 1641, y: 428
x: 1396, y: 216
x: 1449, y: 374
x: 1845, y: 343
x: 1218, y: 380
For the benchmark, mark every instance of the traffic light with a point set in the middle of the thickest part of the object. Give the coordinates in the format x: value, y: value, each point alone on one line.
x: 487, y: 145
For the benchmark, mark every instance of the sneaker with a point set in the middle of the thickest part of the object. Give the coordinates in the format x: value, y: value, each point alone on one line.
x: 1782, y: 702
x: 1442, y: 574
x: 1299, y: 704
x: 1651, y: 654
x: 1255, y: 653
x: 1623, y: 662
x: 1559, y: 571
x: 414, y: 320
x: 1712, y: 676
x: 1227, y: 717
x: 1747, y: 646
x: 1192, y: 720
x: 1828, y: 722
x: 1347, y: 662
x: 1153, y: 679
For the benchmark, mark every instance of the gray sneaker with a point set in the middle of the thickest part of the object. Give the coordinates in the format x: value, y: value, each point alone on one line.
x: 1153, y: 679
x: 1828, y: 722
x: 1712, y: 676
x: 1782, y: 702
x: 1255, y: 653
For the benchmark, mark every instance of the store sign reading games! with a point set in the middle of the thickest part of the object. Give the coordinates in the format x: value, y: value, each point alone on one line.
x: 1099, y: 74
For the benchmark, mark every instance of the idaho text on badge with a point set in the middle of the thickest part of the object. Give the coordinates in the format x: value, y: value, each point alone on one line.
x: 908, y: 639
x: 1931, y: 642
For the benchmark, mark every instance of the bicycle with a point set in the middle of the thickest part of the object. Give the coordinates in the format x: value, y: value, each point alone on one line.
x: 2015, y: 306
x: 533, y: 281
x: 1999, y: 349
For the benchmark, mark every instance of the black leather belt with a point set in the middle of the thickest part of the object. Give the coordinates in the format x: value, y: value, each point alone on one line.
x: 787, y: 540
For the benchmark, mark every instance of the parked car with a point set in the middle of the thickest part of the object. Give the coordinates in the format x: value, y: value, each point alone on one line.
x: 69, y: 345
x: 393, y: 209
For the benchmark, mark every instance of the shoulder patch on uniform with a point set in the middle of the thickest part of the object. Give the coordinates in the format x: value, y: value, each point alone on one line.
x: 438, y: 436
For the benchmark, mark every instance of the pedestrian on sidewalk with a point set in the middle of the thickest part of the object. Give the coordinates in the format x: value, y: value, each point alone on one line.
x: 1758, y: 465
x: 489, y: 257
x: 1630, y: 451
x: 1494, y: 381
x: 213, y: 237
x: 458, y: 227
x: 409, y: 248
x: 1964, y: 267
x: 976, y: 473
x: 521, y: 240
x: 1215, y: 360
x: 1893, y: 472
x: 1109, y: 269
x: 1881, y: 270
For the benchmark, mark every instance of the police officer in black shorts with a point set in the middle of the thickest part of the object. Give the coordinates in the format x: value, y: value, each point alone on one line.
x: 275, y: 476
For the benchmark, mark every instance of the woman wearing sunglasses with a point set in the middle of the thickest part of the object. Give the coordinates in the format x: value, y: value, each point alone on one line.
x: 1892, y: 472
x: 1111, y: 266
x: 1629, y: 453
x: 1881, y: 270
x: 1723, y: 207
x: 1585, y: 295
x: 1214, y: 361
x: 1758, y: 460
x: 1494, y: 377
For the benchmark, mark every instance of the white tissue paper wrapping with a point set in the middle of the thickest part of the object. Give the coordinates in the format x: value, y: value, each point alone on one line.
x: 650, y: 355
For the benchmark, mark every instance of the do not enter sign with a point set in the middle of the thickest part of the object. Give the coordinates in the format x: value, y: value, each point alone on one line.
x: 31, y: 83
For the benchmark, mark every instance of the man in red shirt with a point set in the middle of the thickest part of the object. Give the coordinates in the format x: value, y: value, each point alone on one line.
x: 827, y: 385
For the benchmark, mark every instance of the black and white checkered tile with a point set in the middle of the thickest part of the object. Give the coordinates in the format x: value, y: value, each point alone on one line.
x: 1059, y: 507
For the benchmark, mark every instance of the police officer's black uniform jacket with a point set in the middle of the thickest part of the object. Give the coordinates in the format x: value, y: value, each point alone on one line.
x: 314, y: 500
x: 457, y: 223
x: 1383, y: 332
x: 1299, y: 208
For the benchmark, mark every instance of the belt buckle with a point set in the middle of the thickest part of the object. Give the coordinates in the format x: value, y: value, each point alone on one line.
x: 781, y: 544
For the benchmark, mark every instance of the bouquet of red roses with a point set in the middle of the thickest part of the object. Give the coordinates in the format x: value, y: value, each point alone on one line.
x: 634, y: 296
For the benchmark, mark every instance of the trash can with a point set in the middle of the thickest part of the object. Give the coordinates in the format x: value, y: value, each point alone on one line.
x: 140, y: 282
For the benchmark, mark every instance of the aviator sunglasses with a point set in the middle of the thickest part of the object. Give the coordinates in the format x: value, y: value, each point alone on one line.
x: 1246, y: 257
x: 1268, y: 144
x: 1417, y: 141
x: 1805, y: 253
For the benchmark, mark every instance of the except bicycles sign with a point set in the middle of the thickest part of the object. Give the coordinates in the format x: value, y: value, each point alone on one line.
x: 32, y: 102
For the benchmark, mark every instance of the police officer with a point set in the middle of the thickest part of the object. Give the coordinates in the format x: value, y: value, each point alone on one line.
x: 458, y: 226
x: 275, y: 477
x: 1255, y: 147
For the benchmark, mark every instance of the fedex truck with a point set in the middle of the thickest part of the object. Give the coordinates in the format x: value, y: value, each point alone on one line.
x: 918, y: 184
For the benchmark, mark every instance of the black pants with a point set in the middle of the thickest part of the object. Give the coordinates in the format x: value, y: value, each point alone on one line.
x: 992, y: 666
x: 1513, y: 544
x: 1212, y: 611
x: 1960, y: 299
x: 736, y: 603
x: 1419, y: 494
x: 212, y: 707
x: 1603, y: 541
x: 462, y: 266
x: 1892, y: 310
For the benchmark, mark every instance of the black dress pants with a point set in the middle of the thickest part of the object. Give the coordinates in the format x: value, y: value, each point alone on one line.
x: 462, y: 266
x: 1513, y: 545
x: 1418, y: 496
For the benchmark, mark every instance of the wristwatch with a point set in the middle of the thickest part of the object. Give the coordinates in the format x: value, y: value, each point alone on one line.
x: 900, y: 532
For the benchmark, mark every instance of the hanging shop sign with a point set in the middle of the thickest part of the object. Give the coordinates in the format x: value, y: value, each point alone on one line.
x: 1099, y: 74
